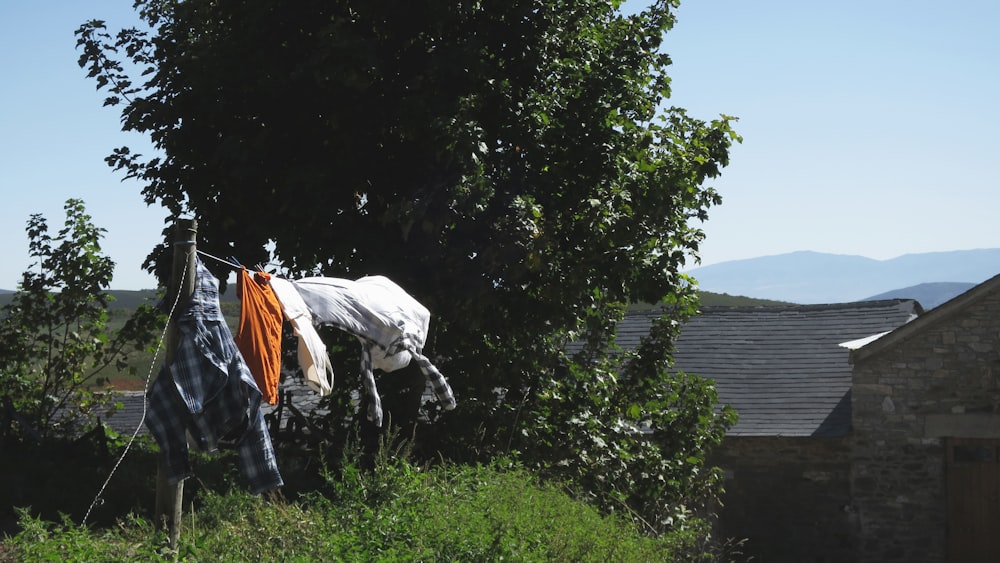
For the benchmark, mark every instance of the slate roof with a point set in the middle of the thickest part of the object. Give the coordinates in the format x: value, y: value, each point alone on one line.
x: 125, y: 420
x: 781, y: 368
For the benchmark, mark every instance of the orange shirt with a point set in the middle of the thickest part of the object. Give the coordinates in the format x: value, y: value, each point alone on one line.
x: 259, y: 335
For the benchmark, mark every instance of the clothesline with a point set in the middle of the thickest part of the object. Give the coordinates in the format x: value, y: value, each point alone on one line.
x: 391, y: 325
x: 207, y: 396
x: 232, y: 262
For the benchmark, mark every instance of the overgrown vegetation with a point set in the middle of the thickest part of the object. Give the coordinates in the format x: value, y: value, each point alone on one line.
x: 604, y: 498
x: 55, y: 340
x: 397, y: 512
x: 513, y: 164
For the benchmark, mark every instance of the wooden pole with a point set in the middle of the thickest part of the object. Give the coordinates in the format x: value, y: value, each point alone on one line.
x: 169, y: 498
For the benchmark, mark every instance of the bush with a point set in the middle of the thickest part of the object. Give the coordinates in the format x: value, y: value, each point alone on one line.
x: 399, y: 512
x: 55, y: 342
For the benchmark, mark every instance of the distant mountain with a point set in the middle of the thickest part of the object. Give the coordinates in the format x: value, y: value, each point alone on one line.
x: 929, y: 295
x: 812, y: 277
x: 803, y: 277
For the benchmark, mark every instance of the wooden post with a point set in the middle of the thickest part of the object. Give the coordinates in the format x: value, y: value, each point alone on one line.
x: 169, y: 498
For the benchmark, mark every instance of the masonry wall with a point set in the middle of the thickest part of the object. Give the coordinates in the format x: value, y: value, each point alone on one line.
x: 788, y: 497
x: 942, y: 381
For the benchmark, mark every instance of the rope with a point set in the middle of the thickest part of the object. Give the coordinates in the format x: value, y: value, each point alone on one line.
x: 142, y: 419
x: 229, y: 263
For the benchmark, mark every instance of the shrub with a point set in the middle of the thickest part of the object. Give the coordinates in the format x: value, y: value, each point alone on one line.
x: 400, y: 512
x: 54, y: 336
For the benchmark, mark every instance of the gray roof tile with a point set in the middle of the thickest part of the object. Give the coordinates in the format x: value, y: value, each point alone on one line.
x: 781, y: 368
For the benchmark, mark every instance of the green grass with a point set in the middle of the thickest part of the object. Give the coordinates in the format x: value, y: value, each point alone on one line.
x: 399, y: 512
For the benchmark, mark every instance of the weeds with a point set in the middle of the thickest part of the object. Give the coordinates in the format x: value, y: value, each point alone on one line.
x: 396, y: 512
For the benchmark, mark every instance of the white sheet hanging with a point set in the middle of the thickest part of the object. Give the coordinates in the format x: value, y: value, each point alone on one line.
x: 313, y: 358
x: 391, y: 325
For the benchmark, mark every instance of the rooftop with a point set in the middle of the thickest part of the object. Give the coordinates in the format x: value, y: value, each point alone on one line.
x: 782, y: 368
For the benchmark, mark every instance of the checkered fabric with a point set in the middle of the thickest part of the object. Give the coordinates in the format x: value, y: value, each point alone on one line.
x: 208, y: 396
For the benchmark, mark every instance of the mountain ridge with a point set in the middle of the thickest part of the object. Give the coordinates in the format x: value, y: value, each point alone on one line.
x: 808, y: 277
x: 929, y: 295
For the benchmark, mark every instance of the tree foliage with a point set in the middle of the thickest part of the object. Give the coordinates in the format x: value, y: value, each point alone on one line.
x: 54, y: 337
x: 510, y: 163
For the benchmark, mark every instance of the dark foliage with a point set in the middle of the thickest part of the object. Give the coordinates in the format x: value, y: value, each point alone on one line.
x: 508, y: 163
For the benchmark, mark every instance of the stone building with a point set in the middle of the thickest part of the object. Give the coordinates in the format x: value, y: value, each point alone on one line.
x: 925, y: 475
x: 788, y: 459
x: 868, y: 431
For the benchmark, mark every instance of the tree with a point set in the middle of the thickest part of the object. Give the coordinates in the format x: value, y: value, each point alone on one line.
x: 509, y: 163
x: 54, y: 338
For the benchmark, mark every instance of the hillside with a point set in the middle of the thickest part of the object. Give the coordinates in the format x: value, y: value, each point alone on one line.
x: 709, y: 299
x: 128, y: 299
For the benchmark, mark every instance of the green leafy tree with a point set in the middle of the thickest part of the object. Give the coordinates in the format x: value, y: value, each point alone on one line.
x: 633, y: 432
x: 512, y: 164
x: 54, y: 337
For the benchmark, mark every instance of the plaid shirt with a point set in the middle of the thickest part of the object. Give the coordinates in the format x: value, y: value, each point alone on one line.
x: 208, y: 395
x: 391, y: 325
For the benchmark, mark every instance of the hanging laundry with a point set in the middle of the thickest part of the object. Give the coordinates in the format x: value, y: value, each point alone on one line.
x: 259, y: 333
x: 391, y: 325
x: 312, y: 354
x: 206, y: 393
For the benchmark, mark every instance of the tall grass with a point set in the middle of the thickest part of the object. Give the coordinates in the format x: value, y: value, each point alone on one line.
x: 398, y: 512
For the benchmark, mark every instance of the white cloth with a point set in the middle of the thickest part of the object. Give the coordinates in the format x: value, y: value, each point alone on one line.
x: 313, y: 358
x: 391, y: 325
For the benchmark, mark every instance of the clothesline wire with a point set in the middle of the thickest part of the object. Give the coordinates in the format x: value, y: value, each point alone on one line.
x: 142, y: 419
x: 231, y: 263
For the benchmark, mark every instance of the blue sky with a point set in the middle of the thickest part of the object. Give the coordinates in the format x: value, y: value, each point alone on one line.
x: 54, y: 135
x: 870, y: 127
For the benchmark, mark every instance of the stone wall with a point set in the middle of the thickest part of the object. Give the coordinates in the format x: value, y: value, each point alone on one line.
x: 916, y: 389
x: 788, y: 497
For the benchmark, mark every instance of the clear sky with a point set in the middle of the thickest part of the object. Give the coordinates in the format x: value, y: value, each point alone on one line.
x: 870, y: 127
x: 55, y: 134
